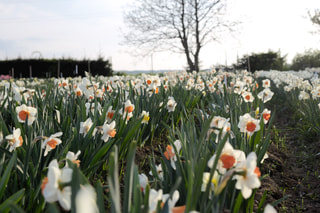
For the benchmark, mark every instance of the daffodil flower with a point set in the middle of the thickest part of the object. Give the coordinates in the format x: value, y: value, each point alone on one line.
x: 21, y: 92
x: 247, y: 97
x: 153, y: 89
x: 51, y: 142
x: 171, y: 104
x: 78, y: 92
x: 110, y: 114
x: 219, y: 123
x: 170, y: 153
x: 266, y: 115
x: 143, y: 180
x: 127, y: 113
x: 87, y: 88
x: 108, y: 131
x: 248, y: 124
x: 128, y: 107
x: 98, y: 93
x: 213, y: 182
x: 54, y: 187
x: 145, y: 116
x: 239, y: 87
x: 315, y: 92
x: 266, y: 83
x: 15, y: 139
x: 91, y: 107
x: 172, y: 201
x: 248, y: 175
x: 154, y: 198
x: 26, y: 113
x: 86, y: 200
x: 303, y: 95
x: 229, y: 158
x: 73, y: 157
x: 159, y: 171
x: 265, y: 95
x: 86, y: 126
x: 269, y: 209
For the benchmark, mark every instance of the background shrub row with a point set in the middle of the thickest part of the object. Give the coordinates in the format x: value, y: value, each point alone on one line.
x: 44, y: 68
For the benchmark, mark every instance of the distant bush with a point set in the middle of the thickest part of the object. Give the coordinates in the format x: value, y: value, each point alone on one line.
x: 262, y: 61
x: 46, y: 68
x: 310, y: 58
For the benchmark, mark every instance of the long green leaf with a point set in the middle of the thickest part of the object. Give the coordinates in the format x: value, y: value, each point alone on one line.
x: 113, y: 180
x: 101, y: 153
x: 6, y: 175
x: 11, y: 201
x: 238, y: 203
x: 129, y: 178
x: 100, y: 200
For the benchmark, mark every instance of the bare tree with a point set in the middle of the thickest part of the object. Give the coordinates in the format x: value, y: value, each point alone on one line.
x: 315, y: 18
x: 183, y: 26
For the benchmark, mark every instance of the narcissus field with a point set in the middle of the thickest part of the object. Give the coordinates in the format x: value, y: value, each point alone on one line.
x: 170, y: 142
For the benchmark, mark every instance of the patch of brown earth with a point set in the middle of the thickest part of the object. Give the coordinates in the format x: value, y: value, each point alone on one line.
x: 294, y: 173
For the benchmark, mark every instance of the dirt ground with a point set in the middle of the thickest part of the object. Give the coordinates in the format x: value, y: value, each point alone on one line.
x: 293, y: 169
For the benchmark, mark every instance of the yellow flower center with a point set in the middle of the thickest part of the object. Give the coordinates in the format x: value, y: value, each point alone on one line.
x: 146, y: 118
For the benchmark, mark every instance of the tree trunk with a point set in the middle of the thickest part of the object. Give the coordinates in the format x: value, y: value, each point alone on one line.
x: 191, y: 64
x: 184, y: 38
x: 197, y: 35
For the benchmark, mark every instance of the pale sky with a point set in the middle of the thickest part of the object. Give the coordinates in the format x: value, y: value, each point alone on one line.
x: 86, y: 29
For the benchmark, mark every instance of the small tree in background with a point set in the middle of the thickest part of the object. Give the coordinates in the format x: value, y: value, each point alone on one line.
x: 310, y: 58
x: 262, y: 61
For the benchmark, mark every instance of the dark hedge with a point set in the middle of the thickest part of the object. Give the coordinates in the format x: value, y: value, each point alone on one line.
x: 45, y: 68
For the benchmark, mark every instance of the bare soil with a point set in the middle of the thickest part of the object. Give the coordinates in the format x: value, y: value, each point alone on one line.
x: 293, y: 169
